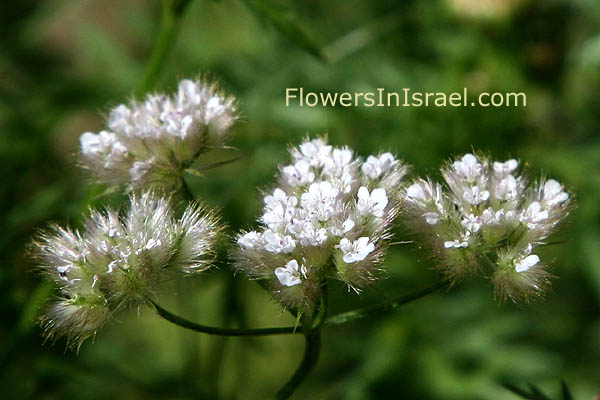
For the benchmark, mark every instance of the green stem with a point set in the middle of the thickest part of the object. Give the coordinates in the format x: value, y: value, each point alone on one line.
x: 186, y: 191
x: 312, y: 336
x: 320, y: 319
x: 390, y: 305
x: 217, y: 349
x: 171, y: 14
x: 311, y: 356
x: 177, y: 320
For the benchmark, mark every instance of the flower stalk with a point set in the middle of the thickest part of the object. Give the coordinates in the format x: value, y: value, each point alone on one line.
x: 320, y: 321
x: 171, y: 13
x: 312, y: 348
x: 309, y: 361
x: 210, y: 330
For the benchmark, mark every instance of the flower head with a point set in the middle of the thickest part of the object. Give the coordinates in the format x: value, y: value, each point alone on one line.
x: 487, y: 215
x: 329, y: 218
x: 150, y: 143
x: 119, y: 259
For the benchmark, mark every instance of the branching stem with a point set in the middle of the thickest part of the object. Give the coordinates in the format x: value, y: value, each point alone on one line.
x: 335, y: 320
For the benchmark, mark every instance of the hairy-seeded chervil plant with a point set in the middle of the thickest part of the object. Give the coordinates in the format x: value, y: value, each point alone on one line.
x: 328, y: 216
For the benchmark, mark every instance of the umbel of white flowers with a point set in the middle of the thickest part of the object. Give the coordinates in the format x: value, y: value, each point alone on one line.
x: 487, y: 215
x: 118, y: 260
x: 150, y: 143
x: 328, y: 217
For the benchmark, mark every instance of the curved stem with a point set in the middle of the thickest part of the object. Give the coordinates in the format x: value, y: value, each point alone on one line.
x: 312, y: 335
x: 311, y: 356
x: 319, y: 320
x: 390, y: 305
x: 184, y: 323
x: 171, y: 13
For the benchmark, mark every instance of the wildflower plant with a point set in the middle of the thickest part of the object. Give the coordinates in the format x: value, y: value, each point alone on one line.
x: 487, y: 218
x: 328, y: 217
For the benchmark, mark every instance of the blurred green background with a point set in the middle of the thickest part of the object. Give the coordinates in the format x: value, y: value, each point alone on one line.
x: 64, y: 63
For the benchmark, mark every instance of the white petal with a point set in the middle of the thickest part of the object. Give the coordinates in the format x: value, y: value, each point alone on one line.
x: 527, y: 263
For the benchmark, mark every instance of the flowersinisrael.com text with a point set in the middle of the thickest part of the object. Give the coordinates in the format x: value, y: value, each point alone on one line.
x: 405, y: 98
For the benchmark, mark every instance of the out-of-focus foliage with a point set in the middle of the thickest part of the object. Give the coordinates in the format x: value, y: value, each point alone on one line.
x: 63, y: 63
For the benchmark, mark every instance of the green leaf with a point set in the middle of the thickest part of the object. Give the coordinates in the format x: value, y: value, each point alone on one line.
x: 533, y: 394
x: 283, y: 21
x: 518, y: 391
x: 537, y: 392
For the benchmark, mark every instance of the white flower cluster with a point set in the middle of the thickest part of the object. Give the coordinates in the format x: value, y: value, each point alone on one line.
x: 329, y: 217
x: 488, y: 215
x: 119, y: 260
x: 152, y: 142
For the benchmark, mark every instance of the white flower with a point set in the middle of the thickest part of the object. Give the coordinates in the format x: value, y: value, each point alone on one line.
x: 320, y: 200
x: 298, y: 174
x: 456, y: 244
x: 472, y: 223
x: 316, y: 152
x: 337, y: 163
x: 139, y: 170
x: 92, y: 143
x: 276, y: 243
x: 417, y: 192
x: 357, y: 250
x: 308, y: 234
x: 553, y: 193
x: 491, y: 217
x: 503, y: 169
x: 474, y: 195
x: 534, y: 214
x: 526, y: 263
x: 291, y: 274
x: 372, y: 203
x: 279, y: 210
x: 250, y: 240
x: 348, y: 225
x: 431, y: 218
x: 506, y: 189
x: 375, y: 167
x: 468, y: 167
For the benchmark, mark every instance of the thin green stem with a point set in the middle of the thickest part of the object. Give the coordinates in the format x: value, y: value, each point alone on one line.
x: 171, y: 14
x: 312, y: 336
x: 218, y: 345
x: 389, y: 305
x: 318, y: 321
x: 311, y: 356
x: 186, y: 191
x: 184, y: 323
